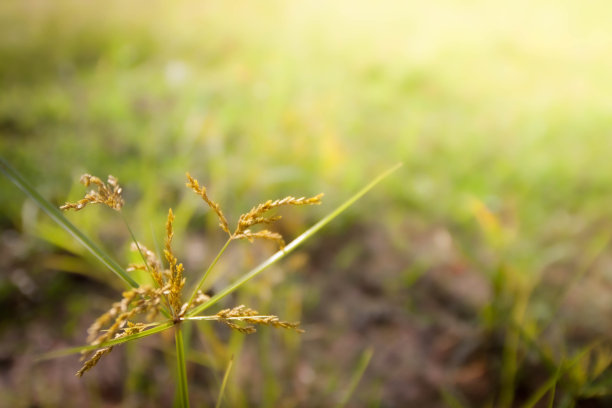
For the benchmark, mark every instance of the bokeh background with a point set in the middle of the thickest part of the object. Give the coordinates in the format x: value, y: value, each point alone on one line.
x: 479, y: 274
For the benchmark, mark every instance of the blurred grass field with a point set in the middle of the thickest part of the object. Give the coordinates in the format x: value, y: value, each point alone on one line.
x: 477, y: 273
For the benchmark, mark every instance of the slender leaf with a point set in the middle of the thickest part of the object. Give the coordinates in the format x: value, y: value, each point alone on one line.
x: 224, y: 383
x: 563, y: 368
x: 157, y: 327
x: 364, y: 361
x: 451, y: 400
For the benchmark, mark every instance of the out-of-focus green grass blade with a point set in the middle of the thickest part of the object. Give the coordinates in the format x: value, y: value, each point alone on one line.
x: 224, y: 383
x: 364, y: 361
x: 564, y: 367
x: 73, y: 350
x: 549, y: 385
x: 293, y: 244
x: 59, y: 218
x: 451, y: 400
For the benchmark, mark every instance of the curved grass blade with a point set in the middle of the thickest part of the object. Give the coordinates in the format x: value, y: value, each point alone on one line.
x: 364, y: 361
x: 73, y: 350
x: 564, y: 367
x: 292, y: 245
x: 14, y: 176
x: 224, y: 383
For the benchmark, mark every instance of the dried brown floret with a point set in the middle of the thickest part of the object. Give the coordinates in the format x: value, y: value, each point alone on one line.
x: 108, y: 194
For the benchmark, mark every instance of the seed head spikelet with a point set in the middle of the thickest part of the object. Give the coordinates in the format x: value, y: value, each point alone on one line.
x: 264, y: 234
x: 201, y: 191
x: 176, y: 279
x: 93, y: 360
x: 132, y: 328
x: 108, y: 194
x: 112, y: 324
x: 154, y: 265
x: 247, y: 315
x: 256, y: 214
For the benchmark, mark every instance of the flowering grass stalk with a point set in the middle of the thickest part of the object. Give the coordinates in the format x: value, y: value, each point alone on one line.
x: 123, y: 321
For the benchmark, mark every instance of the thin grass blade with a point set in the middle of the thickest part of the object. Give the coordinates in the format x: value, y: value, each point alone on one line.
x: 564, y: 367
x: 224, y: 383
x: 364, y: 361
x: 74, y: 350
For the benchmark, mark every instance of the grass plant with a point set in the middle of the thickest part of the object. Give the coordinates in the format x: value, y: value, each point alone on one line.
x: 500, y: 110
x: 165, y: 296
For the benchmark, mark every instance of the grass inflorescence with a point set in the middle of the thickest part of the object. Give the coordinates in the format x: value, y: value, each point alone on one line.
x: 256, y: 216
x: 108, y: 193
x: 119, y: 321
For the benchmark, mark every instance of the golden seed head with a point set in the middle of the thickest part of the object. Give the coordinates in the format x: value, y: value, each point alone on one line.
x: 251, y: 317
x: 108, y: 194
x: 112, y: 324
x: 256, y: 217
x: 193, y: 184
x: 176, y: 279
x: 93, y: 360
x: 265, y: 234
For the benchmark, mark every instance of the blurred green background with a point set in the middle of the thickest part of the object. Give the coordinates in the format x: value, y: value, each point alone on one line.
x: 479, y: 274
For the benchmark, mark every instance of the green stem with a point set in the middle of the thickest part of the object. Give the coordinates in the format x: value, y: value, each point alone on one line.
x: 180, y: 363
x: 212, y: 265
x: 292, y: 245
